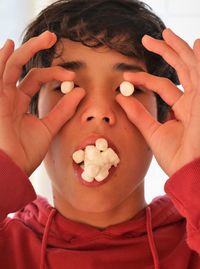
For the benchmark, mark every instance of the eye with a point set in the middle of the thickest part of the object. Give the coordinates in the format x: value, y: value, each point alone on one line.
x: 136, y: 90
x: 57, y: 87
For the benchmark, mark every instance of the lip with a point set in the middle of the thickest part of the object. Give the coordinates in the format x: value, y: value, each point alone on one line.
x: 90, y: 140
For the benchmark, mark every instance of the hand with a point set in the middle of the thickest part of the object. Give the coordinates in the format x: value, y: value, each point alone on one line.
x: 24, y: 137
x: 177, y: 141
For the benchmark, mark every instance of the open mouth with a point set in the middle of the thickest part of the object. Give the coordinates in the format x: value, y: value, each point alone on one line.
x: 95, y: 161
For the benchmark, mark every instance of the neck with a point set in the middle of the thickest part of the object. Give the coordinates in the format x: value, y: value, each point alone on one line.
x: 127, y: 210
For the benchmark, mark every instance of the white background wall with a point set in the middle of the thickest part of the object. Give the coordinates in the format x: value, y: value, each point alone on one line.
x: 180, y: 15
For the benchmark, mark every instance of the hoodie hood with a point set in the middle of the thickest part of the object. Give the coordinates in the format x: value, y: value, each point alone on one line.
x: 55, y: 231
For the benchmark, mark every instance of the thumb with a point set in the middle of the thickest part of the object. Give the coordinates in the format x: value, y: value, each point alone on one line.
x: 139, y: 116
x: 63, y: 110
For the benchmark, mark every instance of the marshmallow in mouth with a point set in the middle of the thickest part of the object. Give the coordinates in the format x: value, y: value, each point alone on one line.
x: 96, y: 160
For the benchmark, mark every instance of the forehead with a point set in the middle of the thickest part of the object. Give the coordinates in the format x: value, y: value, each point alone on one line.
x: 102, y: 58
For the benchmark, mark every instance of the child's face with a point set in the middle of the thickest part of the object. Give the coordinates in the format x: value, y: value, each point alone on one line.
x: 100, y: 75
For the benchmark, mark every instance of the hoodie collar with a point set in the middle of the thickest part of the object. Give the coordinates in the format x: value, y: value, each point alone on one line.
x: 63, y: 230
x: 55, y: 230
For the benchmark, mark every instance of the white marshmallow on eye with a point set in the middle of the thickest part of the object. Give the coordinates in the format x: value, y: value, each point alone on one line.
x: 101, y: 144
x: 78, y: 156
x: 126, y: 88
x: 66, y: 86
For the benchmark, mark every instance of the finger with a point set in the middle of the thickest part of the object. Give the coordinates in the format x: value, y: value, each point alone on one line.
x: 139, y: 116
x: 180, y: 46
x: 23, y: 54
x: 63, y: 110
x: 5, y: 53
x: 34, y: 80
x: 162, y: 86
x: 196, y: 48
x: 161, y: 48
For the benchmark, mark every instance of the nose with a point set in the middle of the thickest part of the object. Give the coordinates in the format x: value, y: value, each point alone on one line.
x: 99, y: 110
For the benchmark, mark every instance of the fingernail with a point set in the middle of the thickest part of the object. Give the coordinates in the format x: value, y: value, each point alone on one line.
x: 53, y: 39
x: 147, y: 36
x: 51, y: 35
x: 44, y: 33
x: 145, y: 39
x: 6, y: 43
x: 169, y: 29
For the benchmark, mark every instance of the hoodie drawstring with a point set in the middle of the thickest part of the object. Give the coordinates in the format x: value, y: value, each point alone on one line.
x: 151, y: 238
x: 45, y: 237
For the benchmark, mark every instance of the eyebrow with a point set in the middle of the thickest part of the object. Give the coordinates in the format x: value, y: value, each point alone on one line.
x: 123, y: 67
x: 127, y: 67
x: 73, y: 65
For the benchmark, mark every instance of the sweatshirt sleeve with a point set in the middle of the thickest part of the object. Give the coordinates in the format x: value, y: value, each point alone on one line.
x: 183, y: 188
x: 15, y: 188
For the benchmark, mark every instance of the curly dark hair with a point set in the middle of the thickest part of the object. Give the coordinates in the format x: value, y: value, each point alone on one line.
x: 117, y: 24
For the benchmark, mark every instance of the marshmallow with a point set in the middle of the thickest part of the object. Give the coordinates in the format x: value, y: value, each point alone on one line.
x: 109, y: 156
x: 101, y: 144
x: 86, y: 177
x: 66, y: 86
x: 102, y: 175
x: 126, y: 88
x: 78, y: 156
x: 92, y: 170
x: 96, y: 160
x: 92, y: 154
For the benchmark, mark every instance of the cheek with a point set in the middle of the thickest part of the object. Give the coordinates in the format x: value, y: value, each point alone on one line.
x: 58, y: 163
x: 136, y: 152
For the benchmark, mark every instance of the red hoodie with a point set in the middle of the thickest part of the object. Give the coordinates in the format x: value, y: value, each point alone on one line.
x: 39, y: 237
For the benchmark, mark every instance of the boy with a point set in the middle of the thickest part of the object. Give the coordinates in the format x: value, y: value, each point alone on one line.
x: 107, y: 224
